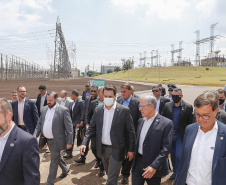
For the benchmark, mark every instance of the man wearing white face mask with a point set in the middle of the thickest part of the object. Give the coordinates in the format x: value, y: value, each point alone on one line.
x: 113, y: 125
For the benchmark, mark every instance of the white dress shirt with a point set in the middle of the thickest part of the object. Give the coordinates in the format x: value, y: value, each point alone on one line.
x: 107, y: 122
x: 47, y: 127
x: 42, y: 101
x: 3, y: 141
x: 200, y: 167
x: 21, y: 112
x: 157, y: 106
x: 144, y: 131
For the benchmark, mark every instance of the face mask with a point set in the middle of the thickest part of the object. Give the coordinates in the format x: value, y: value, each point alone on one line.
x: 108, y: 101
x: 221, y: 101
x: 176, y: 98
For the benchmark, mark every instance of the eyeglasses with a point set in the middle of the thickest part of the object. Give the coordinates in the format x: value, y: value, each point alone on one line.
x: 155, y: 90
x: 205, y: 117
x: 22, y: 91
x: 93, y: 91
x: 142, y: 106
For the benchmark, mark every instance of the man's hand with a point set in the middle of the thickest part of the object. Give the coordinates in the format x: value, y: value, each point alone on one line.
x: 68, y: 146
x: 149, y: 172
x: 130, y: 155
x: 81, y: 123
x: 82, y: 149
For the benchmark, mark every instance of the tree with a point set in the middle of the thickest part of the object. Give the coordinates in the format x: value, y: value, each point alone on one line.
x: 117, y: 69
x: 92, y: 73
x: 83, y: 74
x: 127, y: 65
x: 109, y: 71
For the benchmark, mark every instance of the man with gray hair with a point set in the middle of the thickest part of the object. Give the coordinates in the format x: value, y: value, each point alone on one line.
x: 154, y: 138
x: 64, y: 100
x: 180, y: 113
x: 203, y: 156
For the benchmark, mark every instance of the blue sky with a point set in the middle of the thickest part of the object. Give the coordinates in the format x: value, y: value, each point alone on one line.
x: 105, y: 31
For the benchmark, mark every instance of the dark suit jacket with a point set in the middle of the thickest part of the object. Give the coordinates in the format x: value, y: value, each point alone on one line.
x: 77, y: 112
x: 221, y: 116
x: 163, y: 101
x: 38, y: 103
x: 134, y: 109
x: 20, y: 159
x: 84, y: 95
x: 122, y: 123
x: 91, y: 110
x: 86, y: 109
x: 156, y: 145
x: 219, y: 157
x: 30, y: 116
x: 185, y: 117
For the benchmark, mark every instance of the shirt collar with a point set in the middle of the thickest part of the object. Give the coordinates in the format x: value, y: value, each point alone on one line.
x: 214, y: 127
x: 53, y: 108
x: 128, y: 99
x: 44, y: 94
x: 7, y: 135
x: 22, y: 101
x: 151, y: 119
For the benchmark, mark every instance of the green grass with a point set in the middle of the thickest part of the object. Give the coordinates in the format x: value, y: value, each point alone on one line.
x: 215, y: 76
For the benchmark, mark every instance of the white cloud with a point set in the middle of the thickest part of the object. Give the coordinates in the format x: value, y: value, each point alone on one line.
x: 205, y: 7
x: 163, y: 9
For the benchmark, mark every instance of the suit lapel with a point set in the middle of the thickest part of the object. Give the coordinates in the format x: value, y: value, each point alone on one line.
x: 25, y: 105
x: 139, y: 130
x: 101, y: 117
x: 10, y: 145
x: 131, y: 103
x: 120, y: 101
x: 115, y: 115
x: 219, y: 141
x: 152, y: 127
x: 181, y: 111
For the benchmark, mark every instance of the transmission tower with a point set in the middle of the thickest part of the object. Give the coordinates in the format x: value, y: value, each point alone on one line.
x: 143, y: 64
x: 212, y: 39
x: 177, y: 51
x: 153, y: 57
x: 62, y: 65
x: 197, y: 55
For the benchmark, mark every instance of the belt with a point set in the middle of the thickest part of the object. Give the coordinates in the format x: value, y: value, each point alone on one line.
x: 108, y: 146
x: 22, y: 126
x: 140, y: 155
x: 176, y: 131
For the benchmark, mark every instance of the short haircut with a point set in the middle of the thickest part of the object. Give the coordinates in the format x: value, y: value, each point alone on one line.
x: 65, y: 92
x: 43, y: 87
x: 53, y: 93
x: 110, y: 88
x: 5, y: 106
x: 74, y: 92
x: 88, y: 83
x: 157, y: 87
x: 126, y: 86
x: 99, y: 88
x: 206, y: 98
x: 150, y: 99
x: 95, y: 86
x: 220, y: 91
x: 19, y: 87
x: 178, y: 90
x: 14, y: 91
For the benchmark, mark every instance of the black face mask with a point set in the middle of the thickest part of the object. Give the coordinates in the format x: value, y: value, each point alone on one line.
x: 221, y: 101
x: 176, y: 98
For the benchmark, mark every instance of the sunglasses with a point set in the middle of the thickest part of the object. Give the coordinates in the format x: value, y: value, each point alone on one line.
x: 93, y: 91
x: 155, y: 90
x: 87, y: 86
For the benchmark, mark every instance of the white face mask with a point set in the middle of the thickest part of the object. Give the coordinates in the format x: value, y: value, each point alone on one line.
x: 108, y: 101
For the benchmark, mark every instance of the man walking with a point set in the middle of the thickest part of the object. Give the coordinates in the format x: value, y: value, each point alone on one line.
x: 55, y: 124
x: 41, y: 99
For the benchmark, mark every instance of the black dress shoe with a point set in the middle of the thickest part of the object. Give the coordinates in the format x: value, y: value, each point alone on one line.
x: 68, y: 155
x: 125, y: 180
x: 101, y: 173
x: 171, y: 177
x: 97, y: 165
x: 80, y: 161
x: 64, y: 174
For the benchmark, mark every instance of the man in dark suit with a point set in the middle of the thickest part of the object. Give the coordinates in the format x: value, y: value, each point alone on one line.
x: 222, y: 97
x: 25, y: 112
x: 75, y: 108
x: 133, y: 104
x: 88, y: 101
x: 180, y: 113
x: 161, y: 101
x: 56, y: 125
x: 221, y: 116
x: 41, y: 99
x: 204, y: 148
x: 19, y: 153
x: 154, y: 138
x: 86, y: 93
x: 113, y: 125
x: 163, y: 90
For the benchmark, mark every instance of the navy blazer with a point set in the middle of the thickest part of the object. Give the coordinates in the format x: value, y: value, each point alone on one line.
x: 219, y: 157
x: 20, y: 159
x: 30, y: 116
x: 38, y: 102
x: 78, y: 109
x: 156, y: 145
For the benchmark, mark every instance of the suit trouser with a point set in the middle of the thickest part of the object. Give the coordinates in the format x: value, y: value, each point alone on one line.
x: 176, y: 150
x: 111, y: 166
x: 137, y: 178
x: 126, y: 167
x: 70, y: 150
x: 56, y: 160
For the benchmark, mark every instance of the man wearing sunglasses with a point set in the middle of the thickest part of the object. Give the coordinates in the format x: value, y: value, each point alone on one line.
x: 86, y: 92
x: 180, y: 113
x: 93, y: 96
x: 161, y: 101
x: 203, y: 157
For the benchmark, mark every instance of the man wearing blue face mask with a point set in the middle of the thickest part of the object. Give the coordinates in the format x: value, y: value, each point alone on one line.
x: 113, y: 125
x: 180, y: 113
